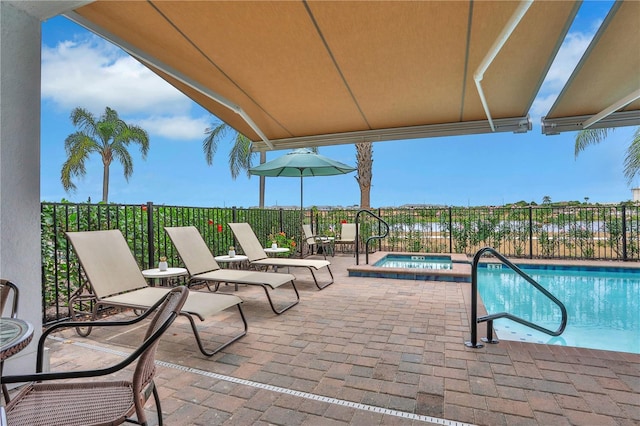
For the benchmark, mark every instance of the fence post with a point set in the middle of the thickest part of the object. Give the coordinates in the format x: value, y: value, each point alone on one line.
x: 379, y: 229
x: 234, y: 214
x: 530, y: 232
x: 624, y: 232
x: 450, y: 231
x: 281, y: 219
x: 150, y: 234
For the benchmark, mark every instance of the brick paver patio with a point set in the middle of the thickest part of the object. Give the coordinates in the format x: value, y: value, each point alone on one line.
x: 369, y: 351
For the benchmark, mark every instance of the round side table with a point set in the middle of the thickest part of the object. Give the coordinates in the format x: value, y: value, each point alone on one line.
x: 163, y: 276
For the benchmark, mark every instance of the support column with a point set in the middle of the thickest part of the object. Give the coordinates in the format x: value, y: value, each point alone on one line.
x: 20, y: 259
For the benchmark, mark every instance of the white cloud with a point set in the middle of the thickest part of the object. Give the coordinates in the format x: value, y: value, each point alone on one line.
x: 92, y: 73
x: 566, y: 60
x: 569, y: 54
x: 175, y: 127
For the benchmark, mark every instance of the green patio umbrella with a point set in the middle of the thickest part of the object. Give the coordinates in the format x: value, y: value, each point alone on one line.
x: 300, y: 163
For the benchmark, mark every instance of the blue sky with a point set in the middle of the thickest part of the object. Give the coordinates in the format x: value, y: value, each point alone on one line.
x: 81, y: 69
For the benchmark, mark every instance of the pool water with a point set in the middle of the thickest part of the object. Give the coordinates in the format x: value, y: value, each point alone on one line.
x: 603, y: 306
x: 415, y: 262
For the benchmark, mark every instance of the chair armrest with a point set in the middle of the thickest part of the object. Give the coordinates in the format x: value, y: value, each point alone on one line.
x: 37, y: 377
x: 72, y: 324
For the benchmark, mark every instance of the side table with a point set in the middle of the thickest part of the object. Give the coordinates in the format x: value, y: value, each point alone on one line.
x: 234, y: 262
x: 275, y: 251
x: 163, y: 276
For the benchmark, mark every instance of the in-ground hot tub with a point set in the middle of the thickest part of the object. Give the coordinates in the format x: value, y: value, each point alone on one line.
x: 452, y: 267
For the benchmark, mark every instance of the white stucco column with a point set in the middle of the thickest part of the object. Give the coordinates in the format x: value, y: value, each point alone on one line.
x: 20, y: 169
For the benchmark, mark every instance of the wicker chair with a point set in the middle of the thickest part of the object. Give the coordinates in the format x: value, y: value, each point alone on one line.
x: 6, y: 290
x: 92, y: 402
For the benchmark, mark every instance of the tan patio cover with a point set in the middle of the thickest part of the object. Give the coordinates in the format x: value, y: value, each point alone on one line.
x: 306, y: 73
x: 604, y: 89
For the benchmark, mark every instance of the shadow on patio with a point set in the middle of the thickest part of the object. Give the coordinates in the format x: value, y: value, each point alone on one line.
x: 371, y: 351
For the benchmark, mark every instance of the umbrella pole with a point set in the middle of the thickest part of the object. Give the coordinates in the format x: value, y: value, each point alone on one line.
x: 301, y: 232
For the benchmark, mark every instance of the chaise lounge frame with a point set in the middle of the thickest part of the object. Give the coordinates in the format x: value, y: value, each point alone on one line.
x: 114, y: 279
x: 258, y: 257
x: 202, y: 266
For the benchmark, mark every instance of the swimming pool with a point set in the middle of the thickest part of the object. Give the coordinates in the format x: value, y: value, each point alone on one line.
x: 603, y: 304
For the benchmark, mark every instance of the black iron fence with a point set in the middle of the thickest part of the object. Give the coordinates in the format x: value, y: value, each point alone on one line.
x: 567, y: 232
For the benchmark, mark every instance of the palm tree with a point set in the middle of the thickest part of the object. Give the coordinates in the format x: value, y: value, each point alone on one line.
x: 240, y: 157
x: 588, y: 137
x: 364, y: 164
x: 108, y: 136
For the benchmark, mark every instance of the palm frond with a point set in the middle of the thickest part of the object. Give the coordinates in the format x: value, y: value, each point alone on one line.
x: 587, y: 137
x: 240, y: 156
x: 121, y: 153
x: 632, y: 159
x: 210, y: 144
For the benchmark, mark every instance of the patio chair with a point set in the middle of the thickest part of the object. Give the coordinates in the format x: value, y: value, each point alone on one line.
x: 347, y: 235
x: 8, y: 290
x: 258, y: 257
x: 202, y: 266
x: 114, y: 279
x: 312, y: 240
x: 48, y: 400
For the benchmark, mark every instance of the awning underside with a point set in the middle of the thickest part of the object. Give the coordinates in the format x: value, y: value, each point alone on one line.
x: 604, y: 89
x: 294, y: 74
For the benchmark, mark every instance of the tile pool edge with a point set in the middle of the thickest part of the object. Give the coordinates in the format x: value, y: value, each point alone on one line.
x: 461, y: 271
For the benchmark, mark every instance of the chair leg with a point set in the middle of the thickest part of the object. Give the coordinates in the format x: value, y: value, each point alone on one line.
x: 285, y: 308
x: 5, y: 391
x: 156, y: 398
x: 224, y: 345
x: 315, y: 280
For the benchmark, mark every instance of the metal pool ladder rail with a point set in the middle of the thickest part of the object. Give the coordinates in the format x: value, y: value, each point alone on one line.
x: 373, y: 237
x: 473, y: 343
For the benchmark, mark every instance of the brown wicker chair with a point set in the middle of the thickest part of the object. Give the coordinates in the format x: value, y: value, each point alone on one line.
x: 96, y: 402
x: 6, y: 290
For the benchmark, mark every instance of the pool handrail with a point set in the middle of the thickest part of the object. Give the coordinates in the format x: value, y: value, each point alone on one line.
x: 473, y: 343
x: 369, y: 239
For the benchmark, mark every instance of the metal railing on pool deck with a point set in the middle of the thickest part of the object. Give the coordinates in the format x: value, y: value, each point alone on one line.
x: 473, y: 343
x: 371, y: 238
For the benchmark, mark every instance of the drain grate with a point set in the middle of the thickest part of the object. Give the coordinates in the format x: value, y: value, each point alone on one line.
x: 426, y: 403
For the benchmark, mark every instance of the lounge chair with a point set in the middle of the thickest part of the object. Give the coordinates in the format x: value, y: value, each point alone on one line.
x: 114, y: 279
x: 324, y: 243
x: 202, y: 266
x: 49, y: 400
x: 347, y: 235
x: 258, y: 257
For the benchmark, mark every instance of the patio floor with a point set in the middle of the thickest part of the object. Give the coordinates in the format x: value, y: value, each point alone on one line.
x: 369, y: 351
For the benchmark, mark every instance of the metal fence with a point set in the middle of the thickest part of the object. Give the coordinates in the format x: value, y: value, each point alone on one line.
x: 567, y: 232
